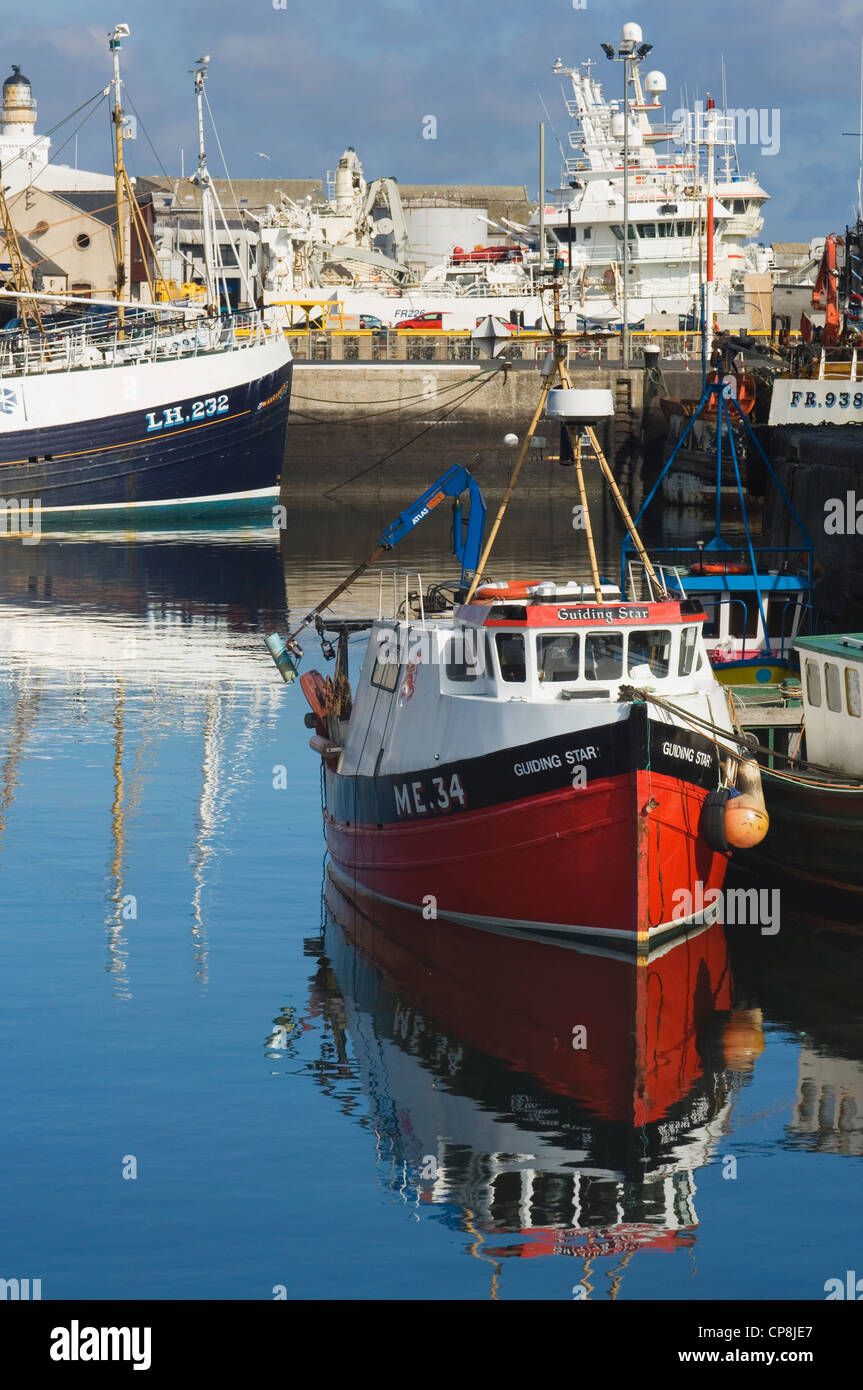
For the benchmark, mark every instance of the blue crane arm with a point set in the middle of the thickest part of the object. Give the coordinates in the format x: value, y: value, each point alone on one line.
x: 467, y: 543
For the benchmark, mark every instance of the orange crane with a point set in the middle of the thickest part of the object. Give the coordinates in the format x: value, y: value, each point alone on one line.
x: 825, y: 298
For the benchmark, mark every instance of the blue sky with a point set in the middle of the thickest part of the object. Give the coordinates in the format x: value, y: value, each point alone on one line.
x: 303, y: 82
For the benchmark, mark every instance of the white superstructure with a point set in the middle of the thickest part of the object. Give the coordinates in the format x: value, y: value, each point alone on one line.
x: 583, y: 217
x: 667, y: 204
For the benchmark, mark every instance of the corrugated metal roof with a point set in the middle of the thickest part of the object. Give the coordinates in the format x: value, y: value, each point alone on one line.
x: 250, y: 193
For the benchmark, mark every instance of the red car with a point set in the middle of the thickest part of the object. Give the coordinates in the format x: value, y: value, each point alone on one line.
x: 429, y: 322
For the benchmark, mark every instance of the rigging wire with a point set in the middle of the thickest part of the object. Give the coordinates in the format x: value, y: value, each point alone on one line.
x: 164, y: 171
x: 240, y: 215
x: 34, y: 145
x: 392, y: 453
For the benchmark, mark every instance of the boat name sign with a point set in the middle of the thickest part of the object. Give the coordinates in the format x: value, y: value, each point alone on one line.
x: 619, y: 614
x: 175, y: 414
x: 804, y: 402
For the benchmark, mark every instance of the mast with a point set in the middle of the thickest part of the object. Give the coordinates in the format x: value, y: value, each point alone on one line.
x: 120, y: 31
x: 710, y: 134
x: 27, y: 302
x: 202, y: 179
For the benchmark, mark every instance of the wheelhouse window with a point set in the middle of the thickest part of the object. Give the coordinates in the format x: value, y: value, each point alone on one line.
x: 852, y: 691
x: 780, y: 617
x: 665, y: 229
x: 813, y: 684
x: 684, y: 229
x: 833, y: 687
x: 558, y: 656
x: 465, y: 655
x: 688, y: 642
x: 511, y: 656
x: 385, y: 674
x: 603, y: 656
x: 649, y: 648
x: 647, y: 229
x: 743, y: 615
x: 711, y: 627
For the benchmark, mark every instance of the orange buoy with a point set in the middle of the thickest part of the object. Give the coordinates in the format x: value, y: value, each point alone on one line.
x: 746, y: 818
x: 743, y: 1039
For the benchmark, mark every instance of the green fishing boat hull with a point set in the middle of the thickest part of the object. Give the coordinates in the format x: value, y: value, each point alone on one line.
x: 815, y: 835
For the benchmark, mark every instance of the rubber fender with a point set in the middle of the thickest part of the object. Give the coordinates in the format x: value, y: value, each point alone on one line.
x: 713, y: 819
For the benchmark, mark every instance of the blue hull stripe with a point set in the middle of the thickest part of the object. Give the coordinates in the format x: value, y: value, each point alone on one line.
x: 120, y: 458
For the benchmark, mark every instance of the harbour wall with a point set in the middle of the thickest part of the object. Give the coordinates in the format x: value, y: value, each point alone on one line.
x: 388, y: 430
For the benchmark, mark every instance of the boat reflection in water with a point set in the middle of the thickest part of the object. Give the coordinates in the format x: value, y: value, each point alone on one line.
x: 553, y: 1100
x: 148, y: 647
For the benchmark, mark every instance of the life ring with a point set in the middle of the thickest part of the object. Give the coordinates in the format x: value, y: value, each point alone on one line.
x: 519, y: 589
x: 718, y: 569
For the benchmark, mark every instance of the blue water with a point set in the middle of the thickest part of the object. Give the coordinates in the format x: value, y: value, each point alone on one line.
x: 177, y: 999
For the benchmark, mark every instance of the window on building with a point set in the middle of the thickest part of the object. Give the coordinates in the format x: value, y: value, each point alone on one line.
x: 833, y: 687
x: 588, y: 233
x: 813, y: 684
x: 511, y: 656
x: 852, y: 691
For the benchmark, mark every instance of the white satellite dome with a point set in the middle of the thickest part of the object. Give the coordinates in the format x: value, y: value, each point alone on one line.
x: 631, y: 32
x: 655, y: 83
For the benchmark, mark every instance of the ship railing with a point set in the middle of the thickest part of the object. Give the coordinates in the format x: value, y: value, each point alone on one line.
x: 641, y: 587
x: 27, y: 351
x: 400, y: 591
x: 805, y: 621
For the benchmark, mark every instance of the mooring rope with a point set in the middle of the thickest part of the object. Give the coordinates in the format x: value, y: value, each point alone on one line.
x: 747, y: 742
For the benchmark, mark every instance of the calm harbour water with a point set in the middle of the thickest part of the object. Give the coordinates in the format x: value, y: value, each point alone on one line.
x: 312, y: 1096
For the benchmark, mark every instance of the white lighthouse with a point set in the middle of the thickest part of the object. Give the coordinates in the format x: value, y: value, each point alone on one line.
x: 22, y: 153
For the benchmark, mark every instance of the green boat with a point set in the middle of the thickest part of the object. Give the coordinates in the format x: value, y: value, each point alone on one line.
x: 813, y: 785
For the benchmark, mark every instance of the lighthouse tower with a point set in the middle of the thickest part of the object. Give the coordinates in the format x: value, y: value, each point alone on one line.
x: 22, y: 152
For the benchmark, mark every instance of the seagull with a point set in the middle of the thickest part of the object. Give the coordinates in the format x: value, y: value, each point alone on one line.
x: 261, y: 155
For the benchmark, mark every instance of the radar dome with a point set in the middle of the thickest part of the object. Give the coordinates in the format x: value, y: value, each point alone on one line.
x: 631, y: 33
x: 654, y: 83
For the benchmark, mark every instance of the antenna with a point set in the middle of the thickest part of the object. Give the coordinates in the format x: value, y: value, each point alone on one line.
x: 860, y: 163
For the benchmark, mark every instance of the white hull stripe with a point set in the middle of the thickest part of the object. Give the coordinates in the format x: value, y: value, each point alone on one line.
x: 556, y: 931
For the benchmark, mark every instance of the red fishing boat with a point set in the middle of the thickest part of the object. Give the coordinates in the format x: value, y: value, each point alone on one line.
x: 543, y: 759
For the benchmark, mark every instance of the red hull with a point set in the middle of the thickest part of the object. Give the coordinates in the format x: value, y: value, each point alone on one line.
x: 602, y: 862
